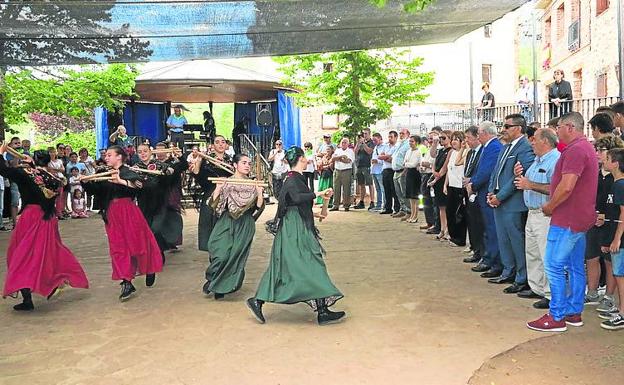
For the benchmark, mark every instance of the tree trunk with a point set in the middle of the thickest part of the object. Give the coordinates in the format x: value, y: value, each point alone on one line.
x: 3, y: 125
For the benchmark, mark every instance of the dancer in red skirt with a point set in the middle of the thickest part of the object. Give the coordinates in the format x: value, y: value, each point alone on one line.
x: 132, y: 245
x: 37, y: 260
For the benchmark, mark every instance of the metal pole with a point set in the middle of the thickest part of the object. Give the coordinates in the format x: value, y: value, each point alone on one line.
x: 534, y: 49
x: 471, y: 84
x: 620, y: 9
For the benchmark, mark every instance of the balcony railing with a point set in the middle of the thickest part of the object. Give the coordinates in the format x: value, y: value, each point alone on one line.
x: 461, y: 119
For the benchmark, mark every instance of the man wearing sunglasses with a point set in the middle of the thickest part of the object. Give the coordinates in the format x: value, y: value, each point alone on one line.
x: 510, y: 212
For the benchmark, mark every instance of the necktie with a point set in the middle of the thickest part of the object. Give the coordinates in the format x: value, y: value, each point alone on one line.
x: 471, y: 156
x: 502, y: 163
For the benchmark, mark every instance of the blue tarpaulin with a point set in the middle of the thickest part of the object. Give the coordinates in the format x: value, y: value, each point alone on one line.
x: 290, y: 125
x: 101, y: 129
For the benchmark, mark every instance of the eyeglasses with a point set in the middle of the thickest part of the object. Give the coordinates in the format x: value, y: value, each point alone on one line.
x: 506, y: 126
x: 279, y: 144
x: 443, y: 137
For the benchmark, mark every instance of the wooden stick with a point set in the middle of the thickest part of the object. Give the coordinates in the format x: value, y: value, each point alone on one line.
x: 98, y: 175
x: 14, y: 152
x: 146, y: 171
x: 222, y: 165
x: 166, y: 150
x: 102, y: 179
x: 250, y: 182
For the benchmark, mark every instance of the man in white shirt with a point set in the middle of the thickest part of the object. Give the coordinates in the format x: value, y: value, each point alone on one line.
x: 392, y: 201
x: 524, y: 98
x: 376, y: 170
x: 280, y: 167
x: 343, y: 173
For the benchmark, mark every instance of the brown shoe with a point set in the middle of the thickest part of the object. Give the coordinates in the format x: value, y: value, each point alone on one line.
x: 401, y: 214
x: 424, y: 227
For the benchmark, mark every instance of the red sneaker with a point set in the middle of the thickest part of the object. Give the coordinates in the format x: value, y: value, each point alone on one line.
x: 573, y: 320
x: 547, y: 324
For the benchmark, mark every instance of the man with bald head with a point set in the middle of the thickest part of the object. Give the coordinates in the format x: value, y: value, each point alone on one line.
x: 399, y: 178
x: 343, y: 165
x: 536, y: 192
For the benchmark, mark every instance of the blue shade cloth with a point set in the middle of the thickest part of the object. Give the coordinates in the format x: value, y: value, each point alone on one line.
x: 290, y: 124
x: 87, y: 31
x: 101, y: 129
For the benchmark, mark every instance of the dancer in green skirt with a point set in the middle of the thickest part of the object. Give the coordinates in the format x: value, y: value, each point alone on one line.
x: 296, y: 272
x: 326, y: 174
x: 237, y: 206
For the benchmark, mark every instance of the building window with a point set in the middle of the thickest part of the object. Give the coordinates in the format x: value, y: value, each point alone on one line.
x: 601, y: 6
x: 487, y: 30
x: 602, y: 86
x: 486, y: 73
x: 547, y: 31
x: 577, y: 86
x: 560, y: 22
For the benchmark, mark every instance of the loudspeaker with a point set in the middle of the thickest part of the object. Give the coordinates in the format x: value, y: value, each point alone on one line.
x: 264, y: 114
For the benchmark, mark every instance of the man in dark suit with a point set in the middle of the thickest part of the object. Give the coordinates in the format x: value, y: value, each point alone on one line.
x: 474, y: 217
x: 510, y: 212
x: 490, y: 265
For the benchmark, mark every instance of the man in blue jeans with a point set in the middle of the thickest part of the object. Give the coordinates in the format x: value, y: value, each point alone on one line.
x: 572, y: 207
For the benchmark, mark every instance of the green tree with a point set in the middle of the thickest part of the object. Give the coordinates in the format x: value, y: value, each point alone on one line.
x: 68, y: 92
x: 361, y: 85
x: 409, y: 6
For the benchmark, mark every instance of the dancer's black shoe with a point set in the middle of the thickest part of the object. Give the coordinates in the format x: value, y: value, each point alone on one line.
x: 127, y: 290
x: 55, y: 293
x: 326, y: 316
x: 256, y: 308
x: 24, y: 306
x: 27, y: 303
x: 219, y: 296
x: 150, y: 279
x: 206, y: 288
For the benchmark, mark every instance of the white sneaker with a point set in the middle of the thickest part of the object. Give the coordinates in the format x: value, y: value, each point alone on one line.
x: 606, y: 305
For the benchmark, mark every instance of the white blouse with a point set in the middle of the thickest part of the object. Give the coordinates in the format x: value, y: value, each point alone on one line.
x: 412, y: 158
x: 455, y: 173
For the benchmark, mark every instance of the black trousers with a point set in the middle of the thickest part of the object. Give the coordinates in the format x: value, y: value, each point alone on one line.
x: 309, y: 180
x: 475, y: 225
x: 278, y: 182
x: 456, y: 215
x: 392, y: 201
x: 431, y: 216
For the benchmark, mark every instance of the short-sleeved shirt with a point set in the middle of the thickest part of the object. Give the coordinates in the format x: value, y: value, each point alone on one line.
x: 486, y: 97
x: 398, y: 158
x: 618, y: 197
x: 177, y: 122
x: 344, y: 165
x: 377, y: 168
x: 540, y: 171
x: 363, y: 158
x: 578, y: 211
x: 388, y: 149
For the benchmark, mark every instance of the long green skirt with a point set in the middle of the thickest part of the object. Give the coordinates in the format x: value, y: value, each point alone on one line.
x: 296, y: 272
x: 325, y: 183
x: 207, y: 221
x: 229, y: 245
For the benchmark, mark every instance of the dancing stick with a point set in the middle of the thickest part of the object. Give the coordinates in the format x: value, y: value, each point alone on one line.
x: 14, y: 152
x: 97, y: 176
x: 146, y: 171
x: 219, y: 163
x: 167, y: 151
x: 102, y: 179
x: 249, y: 182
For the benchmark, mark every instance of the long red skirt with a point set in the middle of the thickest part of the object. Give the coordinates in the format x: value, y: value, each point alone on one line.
x: 131, y: 243
x: 37, y: 259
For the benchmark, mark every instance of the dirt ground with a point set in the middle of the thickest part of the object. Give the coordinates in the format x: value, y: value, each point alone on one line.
x: 416, y: 315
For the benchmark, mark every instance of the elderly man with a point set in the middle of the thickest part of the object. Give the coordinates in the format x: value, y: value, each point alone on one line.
x: 572, y: 206
x: 343, y: 172
x: 398, y: 158
x: 490, y: 264
x: 175, y: 124
x: 510, y: 212
x: 536, y: 187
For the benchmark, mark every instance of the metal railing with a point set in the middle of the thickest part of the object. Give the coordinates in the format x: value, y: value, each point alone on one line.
x: 461, y: 119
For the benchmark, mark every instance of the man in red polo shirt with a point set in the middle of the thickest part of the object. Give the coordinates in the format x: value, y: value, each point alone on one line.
x: 572, y: 207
